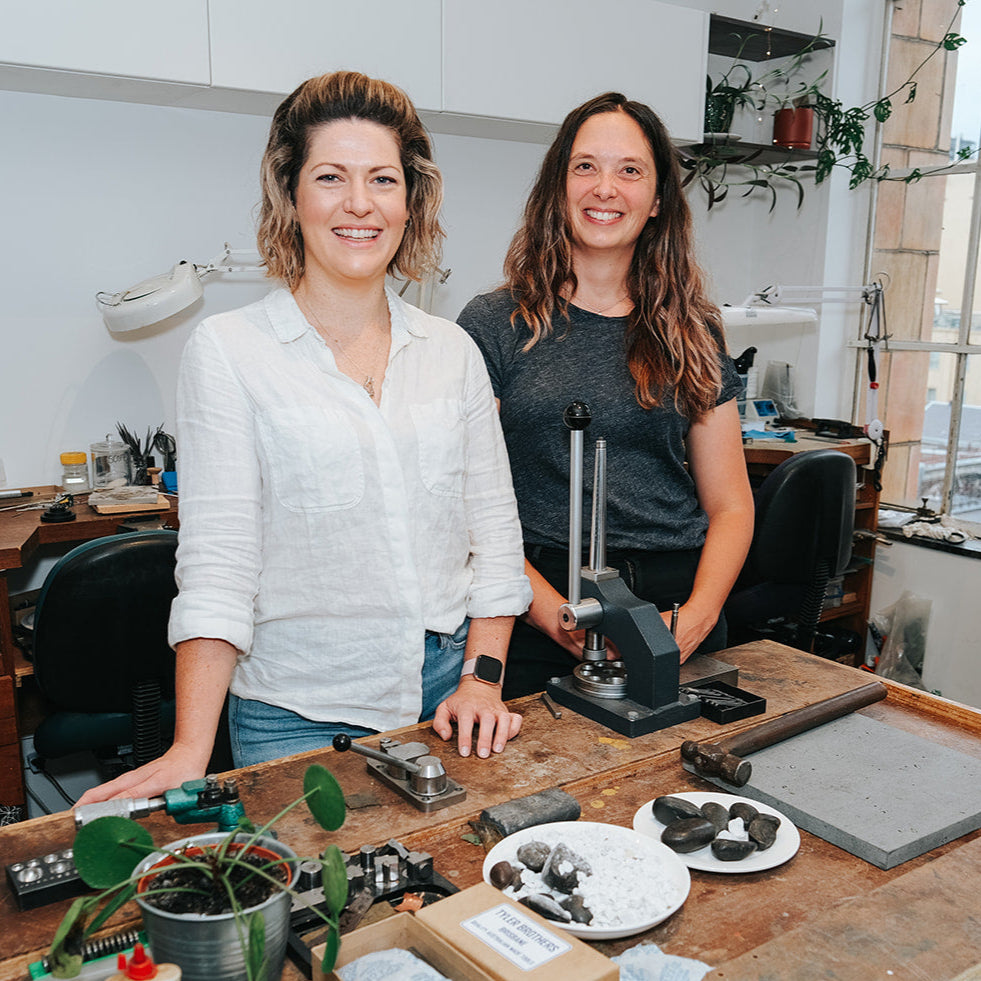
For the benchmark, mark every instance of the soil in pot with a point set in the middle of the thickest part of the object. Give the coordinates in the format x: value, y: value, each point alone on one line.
x: 200, y: 892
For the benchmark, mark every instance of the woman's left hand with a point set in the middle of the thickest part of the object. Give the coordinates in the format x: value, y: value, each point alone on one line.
x: 475, y: 703
x: 691, y: 630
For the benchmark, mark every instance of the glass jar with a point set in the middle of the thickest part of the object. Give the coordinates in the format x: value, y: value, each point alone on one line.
x: 75, y: 473
x: 111, y: 464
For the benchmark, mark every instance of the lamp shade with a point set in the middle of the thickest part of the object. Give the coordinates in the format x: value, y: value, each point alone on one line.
x: 153, y: 300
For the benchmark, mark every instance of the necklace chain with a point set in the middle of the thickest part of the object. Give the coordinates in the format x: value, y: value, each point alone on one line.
x: 599, y: 313
x: 369, y: 380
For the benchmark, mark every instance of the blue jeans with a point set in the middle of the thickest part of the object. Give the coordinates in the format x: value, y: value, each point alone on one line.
x: 261, y: 732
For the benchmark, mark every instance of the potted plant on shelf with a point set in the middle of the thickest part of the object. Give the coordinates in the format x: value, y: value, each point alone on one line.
x: 736, y: 87
x: 218, y: 904
x: 793, y: 120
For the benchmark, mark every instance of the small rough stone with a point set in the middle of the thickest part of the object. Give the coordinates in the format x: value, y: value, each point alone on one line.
x: 579, y: 912
x: 563, y: 868
x: 533, y: 855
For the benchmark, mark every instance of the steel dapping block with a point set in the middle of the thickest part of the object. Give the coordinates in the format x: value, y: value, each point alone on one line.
x: 525, y: 812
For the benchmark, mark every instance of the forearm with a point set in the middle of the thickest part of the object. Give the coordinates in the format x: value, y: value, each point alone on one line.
x: 204, y: 672
x: 491, y: 636
x: 726, y: 545
x: 543, y: 614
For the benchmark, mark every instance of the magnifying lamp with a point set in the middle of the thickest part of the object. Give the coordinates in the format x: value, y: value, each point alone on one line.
x: 160, y: 297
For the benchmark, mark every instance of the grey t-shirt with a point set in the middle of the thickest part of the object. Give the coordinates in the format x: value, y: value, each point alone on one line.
x: 651, y: 501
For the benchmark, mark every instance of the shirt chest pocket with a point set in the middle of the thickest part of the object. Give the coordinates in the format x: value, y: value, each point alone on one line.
x: 313, y: 456
x: 441, y: 437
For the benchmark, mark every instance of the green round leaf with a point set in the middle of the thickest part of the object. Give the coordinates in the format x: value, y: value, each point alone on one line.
x: 335, y: 879
x: 324, y: 797
x: 108, y: 849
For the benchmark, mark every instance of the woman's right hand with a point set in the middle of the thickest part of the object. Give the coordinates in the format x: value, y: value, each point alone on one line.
x: 166, y: 772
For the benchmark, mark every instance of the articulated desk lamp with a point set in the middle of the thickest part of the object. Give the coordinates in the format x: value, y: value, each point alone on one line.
x: 639, y: 693
x: 160, y: 297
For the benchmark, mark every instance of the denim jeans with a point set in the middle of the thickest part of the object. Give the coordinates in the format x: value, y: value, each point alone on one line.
x: 261, y: 732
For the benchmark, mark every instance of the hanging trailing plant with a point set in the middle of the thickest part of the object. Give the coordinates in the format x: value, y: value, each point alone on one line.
x: 840, y: 140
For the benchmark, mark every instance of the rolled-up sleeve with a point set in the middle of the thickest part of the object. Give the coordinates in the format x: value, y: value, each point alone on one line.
x: 499, y: 586
x: 218, y: 553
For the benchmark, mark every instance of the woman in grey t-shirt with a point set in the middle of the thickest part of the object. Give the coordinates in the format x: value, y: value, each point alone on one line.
x: 603, y: 302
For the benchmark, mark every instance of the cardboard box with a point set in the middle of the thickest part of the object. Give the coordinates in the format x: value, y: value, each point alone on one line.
x: 510, y: 942
x: 405, y: 932
x: 478, y: 935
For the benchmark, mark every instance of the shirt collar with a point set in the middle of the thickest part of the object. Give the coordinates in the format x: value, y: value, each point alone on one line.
x: 288, y: 322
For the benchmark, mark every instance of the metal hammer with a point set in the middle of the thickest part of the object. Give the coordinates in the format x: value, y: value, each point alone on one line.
x: 724, y: 758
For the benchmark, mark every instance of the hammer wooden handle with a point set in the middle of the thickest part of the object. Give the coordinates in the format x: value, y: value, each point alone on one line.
x: 724, y: 757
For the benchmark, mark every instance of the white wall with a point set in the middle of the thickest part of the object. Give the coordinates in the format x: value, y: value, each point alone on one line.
x: 99, y: 195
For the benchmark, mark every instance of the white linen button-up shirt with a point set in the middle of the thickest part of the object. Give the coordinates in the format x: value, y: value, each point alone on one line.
x: 322, y: 535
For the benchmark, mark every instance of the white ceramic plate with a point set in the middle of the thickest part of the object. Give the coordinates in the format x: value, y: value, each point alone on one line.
x: 720, y: 138
x: 659, y: 862
x: 783, y: 849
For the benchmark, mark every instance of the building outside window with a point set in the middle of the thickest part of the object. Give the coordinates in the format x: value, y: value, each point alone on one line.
x: 926, y: 242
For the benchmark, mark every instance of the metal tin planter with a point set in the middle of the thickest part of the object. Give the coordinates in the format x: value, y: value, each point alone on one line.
x: 212, y: 948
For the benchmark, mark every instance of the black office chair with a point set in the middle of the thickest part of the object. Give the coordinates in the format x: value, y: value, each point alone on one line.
x: 805, y: 516
x: 101, y: 657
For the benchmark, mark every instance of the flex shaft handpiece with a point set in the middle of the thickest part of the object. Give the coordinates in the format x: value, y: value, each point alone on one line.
x: 193, y: 802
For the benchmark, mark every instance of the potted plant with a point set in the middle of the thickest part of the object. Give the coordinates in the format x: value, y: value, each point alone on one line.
x: 793, y: 120
x: 735, y: 88
x: 218, y: 904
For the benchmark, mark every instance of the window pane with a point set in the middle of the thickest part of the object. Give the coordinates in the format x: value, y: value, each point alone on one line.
x: 914, y: 400
x: 952, y: 264
x: 966, y: 118
x: 966, y: 502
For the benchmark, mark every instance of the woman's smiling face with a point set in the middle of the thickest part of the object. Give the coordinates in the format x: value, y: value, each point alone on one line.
x: 350, y: 201
x: 611, y: 186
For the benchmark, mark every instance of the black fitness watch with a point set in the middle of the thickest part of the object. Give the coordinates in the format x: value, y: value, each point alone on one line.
x: 484, y: 668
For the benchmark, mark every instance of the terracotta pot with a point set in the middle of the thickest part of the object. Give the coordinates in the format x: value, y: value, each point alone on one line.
x: 793, y: 128
x: 209, y: 948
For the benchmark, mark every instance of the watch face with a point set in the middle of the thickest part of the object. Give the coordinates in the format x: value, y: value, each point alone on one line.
x: 488, y: 669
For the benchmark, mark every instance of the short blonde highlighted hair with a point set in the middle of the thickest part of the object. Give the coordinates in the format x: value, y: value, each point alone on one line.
x: 325, y: 99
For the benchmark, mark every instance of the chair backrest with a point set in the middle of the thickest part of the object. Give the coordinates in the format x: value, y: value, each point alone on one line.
x: 101, y: 622
x: 805, y: 513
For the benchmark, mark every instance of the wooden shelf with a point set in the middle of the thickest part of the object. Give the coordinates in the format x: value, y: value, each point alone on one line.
x: 757, y: 42
x: 742, y: 152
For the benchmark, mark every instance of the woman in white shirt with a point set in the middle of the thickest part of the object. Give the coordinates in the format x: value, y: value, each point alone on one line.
x: 350, y: 555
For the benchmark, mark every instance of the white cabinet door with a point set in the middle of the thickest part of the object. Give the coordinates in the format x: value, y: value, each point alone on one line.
x: 263, y: 47
x: 164, y: 41
x: 537, y: 59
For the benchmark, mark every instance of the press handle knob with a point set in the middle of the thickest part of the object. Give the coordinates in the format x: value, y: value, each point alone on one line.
x: 342, y: 743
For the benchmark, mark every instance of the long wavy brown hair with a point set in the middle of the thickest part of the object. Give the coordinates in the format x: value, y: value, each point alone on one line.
x: 673, y: 332
x: 346, y: 95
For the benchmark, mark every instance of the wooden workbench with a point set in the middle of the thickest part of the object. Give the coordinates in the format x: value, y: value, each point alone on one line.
x: 823, y: 914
